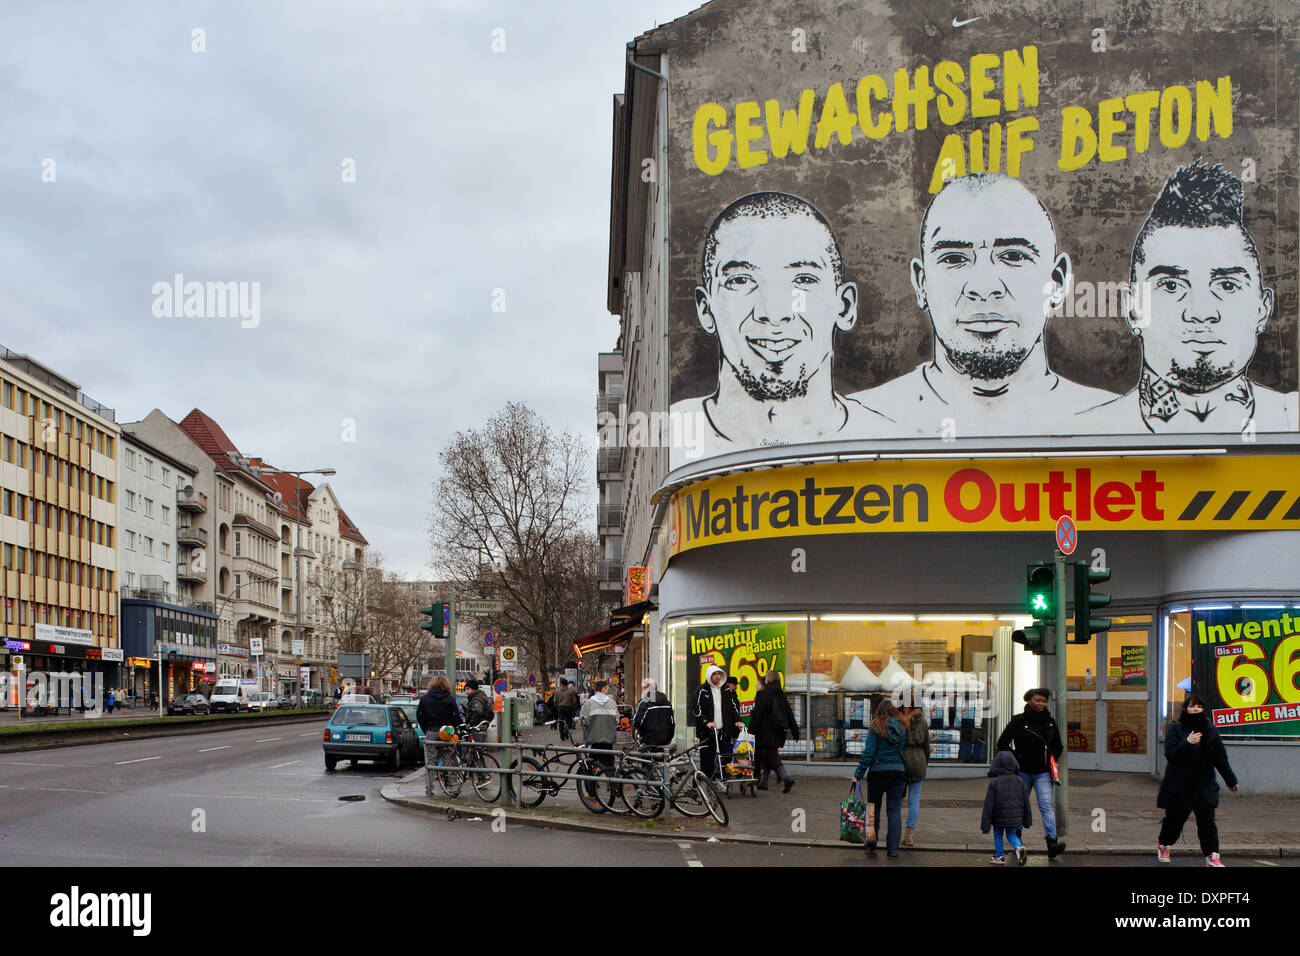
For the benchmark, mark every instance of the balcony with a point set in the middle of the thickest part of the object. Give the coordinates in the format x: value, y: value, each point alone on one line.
x: 187, y: 499
x: 352, y: 566
x: 611, y: 572
x: 609, y: 516
x: 192, y: 535
x: 188, y: 573
x: 286, y: 584
x: 609, y: 401
x: 609, y: 459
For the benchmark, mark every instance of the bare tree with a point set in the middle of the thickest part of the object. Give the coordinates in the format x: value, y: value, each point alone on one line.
x: 508, y: 522
x: 341, y: 595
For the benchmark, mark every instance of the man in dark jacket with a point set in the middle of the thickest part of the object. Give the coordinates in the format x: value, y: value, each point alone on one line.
x: 478, y: 709
x: 653, y: 721
x: 1006, y: 806
x: 1035, y: 739
x: 566, y: 705
x: 1195, y: 751
x: 716, y: 712
x: 438, y: 708
x: 770, y: 720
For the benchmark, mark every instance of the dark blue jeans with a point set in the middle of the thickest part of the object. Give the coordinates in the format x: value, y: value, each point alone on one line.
x: 891, y: 787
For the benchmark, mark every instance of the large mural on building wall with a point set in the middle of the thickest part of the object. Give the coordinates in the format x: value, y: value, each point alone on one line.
x: 890, y: 222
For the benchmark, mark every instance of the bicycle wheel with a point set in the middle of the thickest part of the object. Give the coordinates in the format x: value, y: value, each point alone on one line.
x: 528, y: 787
x: 487, y: 783
x: 712, y: 799
x: 646, y: 799
x: 448, y: 773
x: 592, y: 794
x: 684, y: 790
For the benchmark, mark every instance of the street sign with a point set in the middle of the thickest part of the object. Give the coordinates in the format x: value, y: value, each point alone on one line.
x: 297, y: 648
x: 509, y: 658
x: 488, y: 638
x: 255, y: 646
x: 501, y: 686
x: 532, y: 680
x: 1067, y: 535
x: 480, y: 607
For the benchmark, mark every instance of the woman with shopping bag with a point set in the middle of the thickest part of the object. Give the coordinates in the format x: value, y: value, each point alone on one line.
x: 882, y: 764
x: 770, y: 720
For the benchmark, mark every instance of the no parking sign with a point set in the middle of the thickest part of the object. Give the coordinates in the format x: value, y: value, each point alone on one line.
x: 501, y: 686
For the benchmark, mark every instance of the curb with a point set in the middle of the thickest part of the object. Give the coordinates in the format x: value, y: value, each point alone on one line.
x: 79, y: 735
x: 724, y: 835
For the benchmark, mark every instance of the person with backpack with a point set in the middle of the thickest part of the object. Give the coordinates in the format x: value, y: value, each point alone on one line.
x: 653, y: 721
x: 770, y: 720
x: 566, y: 704
x: 882, y: 764
x: 916, y: 760
x: 478, y: 708
x: 1006, y: 806
x: 1036, y: 742
x: 1194, y: 751
x: 599, y: 718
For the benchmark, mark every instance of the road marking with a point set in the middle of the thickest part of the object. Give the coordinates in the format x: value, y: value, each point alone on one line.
x: 206, y: 750
x: 137, y: 760
x: 312, y: 734
x: 694, y: 863
x: 267, y: 740
x: 24, y: 763
x: 688, y: 853
x: 288, y: 764
x: 1266, y: 863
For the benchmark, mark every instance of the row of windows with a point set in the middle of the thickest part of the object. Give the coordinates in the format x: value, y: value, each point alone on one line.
x: 26, y: 403
x: 130, y: 539
x: 53, y: 518
x: 44, y: 565
x: 49, y: 465
x: 146, y: 465
x: 130, y: 499
x: 29, y: 612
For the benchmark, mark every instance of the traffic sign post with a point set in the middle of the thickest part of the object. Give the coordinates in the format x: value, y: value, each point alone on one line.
x: 1063, y: 764
x: 1067, y: 535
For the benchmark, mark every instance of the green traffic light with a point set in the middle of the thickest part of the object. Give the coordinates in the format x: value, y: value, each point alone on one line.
x: 1039, y: 603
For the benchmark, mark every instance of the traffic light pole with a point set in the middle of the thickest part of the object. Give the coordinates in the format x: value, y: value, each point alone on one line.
x: 1060, y: 646
x: 451, y: 649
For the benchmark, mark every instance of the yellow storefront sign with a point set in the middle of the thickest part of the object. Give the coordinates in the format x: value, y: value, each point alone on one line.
x: 1167, y: 494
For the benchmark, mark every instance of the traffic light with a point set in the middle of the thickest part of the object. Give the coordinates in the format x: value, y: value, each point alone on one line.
x: 1085, y: 600
x: 1040, y: 592
x: 439, y: 619
x: 1032, y: 637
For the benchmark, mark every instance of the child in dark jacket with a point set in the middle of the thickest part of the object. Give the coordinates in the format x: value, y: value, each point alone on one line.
x: 1006, y: 806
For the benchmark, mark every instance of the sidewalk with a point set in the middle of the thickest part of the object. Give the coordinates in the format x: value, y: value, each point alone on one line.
x: 1121, y: 806
x: 10, y: 716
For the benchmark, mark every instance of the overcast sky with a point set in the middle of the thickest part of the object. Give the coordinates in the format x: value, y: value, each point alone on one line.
x: 475, y: 170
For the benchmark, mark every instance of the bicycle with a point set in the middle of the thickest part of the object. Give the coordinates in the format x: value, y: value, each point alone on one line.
x: 454, y: 764
x: 533, y: 785
x: 667, y: 778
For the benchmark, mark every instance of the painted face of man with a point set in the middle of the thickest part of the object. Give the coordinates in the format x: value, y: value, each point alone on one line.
x: 1208, y: 304
x: 989, y: 265
x: 773, y: 303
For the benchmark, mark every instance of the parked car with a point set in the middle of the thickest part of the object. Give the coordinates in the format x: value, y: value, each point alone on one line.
x: 284, y: 702
x: 231, y: 695
x: 370, y: 732
x: 409, y: 708
x: 355, y: 699
x: 263, y: 700
x: 312, y: 698
x: 189, y: 704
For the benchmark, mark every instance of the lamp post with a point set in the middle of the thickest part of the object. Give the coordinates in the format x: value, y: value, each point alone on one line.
x: 298, y: 552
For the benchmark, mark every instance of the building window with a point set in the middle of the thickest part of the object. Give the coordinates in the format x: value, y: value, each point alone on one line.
x: 130, y: 540
x: 237, y: 544
x: 165, y: 475
x: 148, y: 467
x: 148, y: 507
x: 166, y: 515
x: 166, y: 551
x: 129, y: 503
x: 148, y: 546
x: 130, y: 459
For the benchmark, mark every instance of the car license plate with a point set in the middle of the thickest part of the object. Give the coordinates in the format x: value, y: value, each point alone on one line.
x: 362, y: 737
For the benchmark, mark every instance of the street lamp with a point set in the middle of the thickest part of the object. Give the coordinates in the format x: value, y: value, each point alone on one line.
x: 298, y: 551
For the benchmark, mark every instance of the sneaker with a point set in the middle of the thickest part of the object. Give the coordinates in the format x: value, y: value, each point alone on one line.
x: 1021, y: 854
x: 788, y: 785
x: 997, y: 859
x: 1213, y: 860
x: 1162, y: 853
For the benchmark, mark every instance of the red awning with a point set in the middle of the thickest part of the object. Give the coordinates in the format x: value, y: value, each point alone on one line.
x: 603, y: 640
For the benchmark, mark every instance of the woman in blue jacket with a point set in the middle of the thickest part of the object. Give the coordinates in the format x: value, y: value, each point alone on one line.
x: 882, y: 763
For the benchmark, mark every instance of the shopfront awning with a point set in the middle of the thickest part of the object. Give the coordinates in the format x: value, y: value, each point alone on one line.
x: 632, y: 613
x: 605, y: 640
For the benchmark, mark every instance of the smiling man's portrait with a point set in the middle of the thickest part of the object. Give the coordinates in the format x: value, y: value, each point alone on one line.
x: 772, y: 292
x: 988, y: 274
x: 1202, y: 309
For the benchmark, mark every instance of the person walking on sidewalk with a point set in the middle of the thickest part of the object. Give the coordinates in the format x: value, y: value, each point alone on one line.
x: 882, y: 764
x: 916, y: 760
x: 566, y: 704
x: 653, y: 721
x: 1036, y: 741
x: 600, y: 724
x: 770, y: 720
x: 716, y: 712
x: 1006, y: 807
x: 1194, y: 751
x: 478, y: 709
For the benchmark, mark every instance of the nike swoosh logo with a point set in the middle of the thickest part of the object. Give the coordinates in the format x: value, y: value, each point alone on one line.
x: 958, y: 24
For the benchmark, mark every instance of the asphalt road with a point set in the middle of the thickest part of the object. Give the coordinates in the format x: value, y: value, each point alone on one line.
x: 259, y: 796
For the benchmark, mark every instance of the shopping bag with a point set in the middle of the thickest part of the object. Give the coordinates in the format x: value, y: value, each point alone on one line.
x: 1056, y: 771
x: 853, y: 816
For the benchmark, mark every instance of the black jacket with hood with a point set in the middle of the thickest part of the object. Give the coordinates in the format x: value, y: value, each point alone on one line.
x: 1190, y: 771
x: 1032, y: 736
x: 771, y: 719
x: 438, y: 709
x: 653, y: 720
x: 1007, y: 802
x: 478, y: 708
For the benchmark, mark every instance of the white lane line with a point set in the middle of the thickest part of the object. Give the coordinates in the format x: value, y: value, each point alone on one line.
x: 1266, y: 863
x: 688, y: 853
x: 267, y: 740
x: 289, y: 763
x: 312, y: 734
x: 207, y: 750
x: 23, y: 763
x: 121, y: 763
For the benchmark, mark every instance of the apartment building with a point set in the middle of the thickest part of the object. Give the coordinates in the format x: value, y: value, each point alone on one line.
x: 609, y: 475
x: 58, y: 480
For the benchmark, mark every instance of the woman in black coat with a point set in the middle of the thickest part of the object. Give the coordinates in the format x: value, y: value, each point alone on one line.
x: 1195, y: 751
x: 769, y: 722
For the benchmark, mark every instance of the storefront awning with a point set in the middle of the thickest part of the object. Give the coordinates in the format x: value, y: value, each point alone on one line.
x: 631, y: 614
x: 604, y: 640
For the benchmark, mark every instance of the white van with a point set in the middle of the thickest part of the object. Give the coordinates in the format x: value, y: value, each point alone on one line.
x: 231, y: 695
